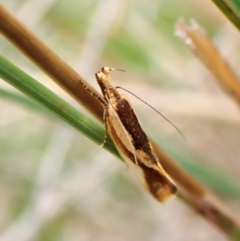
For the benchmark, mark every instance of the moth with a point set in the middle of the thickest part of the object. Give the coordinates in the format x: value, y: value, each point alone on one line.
x: 132, y: 143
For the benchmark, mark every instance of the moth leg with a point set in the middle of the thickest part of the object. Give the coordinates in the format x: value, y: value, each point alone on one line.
x: 104, y: 111
x: 93, y: 94
x: 104, y: 120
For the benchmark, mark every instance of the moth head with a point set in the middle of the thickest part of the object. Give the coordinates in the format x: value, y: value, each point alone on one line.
x: 106, y: 70
x: 103, y: 76
x: 104, y: 79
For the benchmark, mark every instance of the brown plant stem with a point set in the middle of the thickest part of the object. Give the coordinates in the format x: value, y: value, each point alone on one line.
x: 197, y: 40
x: 48, y: 61
x: 190, y: 190
x: 199, y: 197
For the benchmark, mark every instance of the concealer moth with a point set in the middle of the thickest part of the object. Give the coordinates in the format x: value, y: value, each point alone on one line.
x: 132, y: 143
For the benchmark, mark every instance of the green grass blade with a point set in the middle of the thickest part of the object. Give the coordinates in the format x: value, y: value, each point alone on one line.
x: 231, y: 9
x: 52, y: 102
x: 21, y: 99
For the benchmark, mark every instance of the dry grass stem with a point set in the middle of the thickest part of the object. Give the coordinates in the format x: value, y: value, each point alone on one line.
x: 196, y: 39
x: 48, y: 61
x: 199, y: 197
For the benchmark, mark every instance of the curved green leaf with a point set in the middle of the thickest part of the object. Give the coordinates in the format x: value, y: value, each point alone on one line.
x: 52, y: 102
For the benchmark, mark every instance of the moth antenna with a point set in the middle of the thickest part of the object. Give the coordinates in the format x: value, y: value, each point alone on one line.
x: 122, y: 70
x: 119, y: 87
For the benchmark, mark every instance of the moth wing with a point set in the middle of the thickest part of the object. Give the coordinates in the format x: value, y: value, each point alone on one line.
x: 158, y: 182
x: 143, y: 162
x: 123, y: 142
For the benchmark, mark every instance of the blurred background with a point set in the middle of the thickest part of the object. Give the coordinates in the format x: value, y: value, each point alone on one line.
x: 55, y: 184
